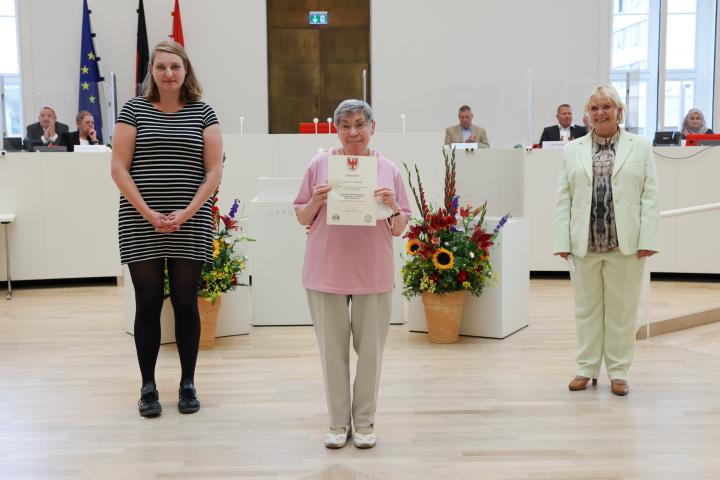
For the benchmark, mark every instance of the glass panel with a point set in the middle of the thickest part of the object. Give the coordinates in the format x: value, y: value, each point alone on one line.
x: 630, y: 42
x: 682, y: 6
x: 631, y: 6
x: 8, y: 46
x: 680, y: 42
x: 689, y: 60
x: 7, y: 8
x: 13, y: 109
x: 672, y: 104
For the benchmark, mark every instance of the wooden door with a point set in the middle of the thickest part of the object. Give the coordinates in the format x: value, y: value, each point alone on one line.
x: 313, y: 68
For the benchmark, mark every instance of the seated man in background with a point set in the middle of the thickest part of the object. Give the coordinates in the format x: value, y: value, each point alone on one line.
x: 564, y: 130
x: 85, y: 134
x: 465, y: 131
x: 46, y: 131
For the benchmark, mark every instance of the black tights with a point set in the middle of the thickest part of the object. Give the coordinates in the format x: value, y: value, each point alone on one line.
x: 147, y: 278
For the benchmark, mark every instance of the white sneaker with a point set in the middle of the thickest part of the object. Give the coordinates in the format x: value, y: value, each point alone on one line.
x: 337, y: 437
x: 364, y: 437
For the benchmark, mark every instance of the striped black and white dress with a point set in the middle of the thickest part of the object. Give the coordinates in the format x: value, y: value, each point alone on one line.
x: 168, y: 169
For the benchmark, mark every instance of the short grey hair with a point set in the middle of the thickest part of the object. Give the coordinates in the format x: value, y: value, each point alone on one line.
x: 348, y: 107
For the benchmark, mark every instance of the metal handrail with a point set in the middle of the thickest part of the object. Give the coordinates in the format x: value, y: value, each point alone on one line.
x: 678, y: 212
x: 645, y: 297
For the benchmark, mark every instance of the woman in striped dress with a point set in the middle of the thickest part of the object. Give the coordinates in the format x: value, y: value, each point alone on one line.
x: 167, y: 162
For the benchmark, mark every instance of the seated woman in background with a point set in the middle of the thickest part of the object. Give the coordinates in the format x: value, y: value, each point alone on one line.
x: 694, y: 122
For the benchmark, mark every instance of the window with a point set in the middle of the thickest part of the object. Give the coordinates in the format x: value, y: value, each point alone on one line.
x: 10, y: 107
x: 672, y: 62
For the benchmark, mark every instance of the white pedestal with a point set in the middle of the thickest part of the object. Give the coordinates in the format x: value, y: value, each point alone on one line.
x: 277, y: 255
x: 502, y: 308
x: 236, y: 312
x: 234, y: 318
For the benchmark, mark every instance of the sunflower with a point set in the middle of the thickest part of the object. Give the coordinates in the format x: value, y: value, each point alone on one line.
x: 443, y: 259
x: 412, y: 246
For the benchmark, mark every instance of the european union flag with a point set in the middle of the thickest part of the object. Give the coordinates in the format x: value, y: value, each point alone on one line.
x: 89, y: 98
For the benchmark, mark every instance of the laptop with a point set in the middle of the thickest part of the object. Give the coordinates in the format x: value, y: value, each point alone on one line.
x: 12, y: 144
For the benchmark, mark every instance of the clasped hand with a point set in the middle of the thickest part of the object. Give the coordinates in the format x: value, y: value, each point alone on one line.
x: 167, y: 223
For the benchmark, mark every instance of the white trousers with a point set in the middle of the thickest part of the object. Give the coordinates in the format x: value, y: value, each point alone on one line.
x: 367, y: 319
x: 607, y: 292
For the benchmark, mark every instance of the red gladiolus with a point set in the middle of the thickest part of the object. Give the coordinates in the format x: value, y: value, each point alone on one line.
x: 230, y: 224
x: 414, y: 231
x: 482, y: 239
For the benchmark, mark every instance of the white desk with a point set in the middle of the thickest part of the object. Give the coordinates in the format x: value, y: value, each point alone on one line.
x: 72, y: 202
x: 5, y: 220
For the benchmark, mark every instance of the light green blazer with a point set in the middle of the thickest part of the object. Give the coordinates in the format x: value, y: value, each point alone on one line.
x: 634, y: 189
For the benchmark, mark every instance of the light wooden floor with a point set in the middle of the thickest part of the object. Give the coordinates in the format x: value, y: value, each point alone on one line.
x: 480, y: 409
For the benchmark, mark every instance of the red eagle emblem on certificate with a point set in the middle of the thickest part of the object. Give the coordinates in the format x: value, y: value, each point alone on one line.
x: 352, y: 163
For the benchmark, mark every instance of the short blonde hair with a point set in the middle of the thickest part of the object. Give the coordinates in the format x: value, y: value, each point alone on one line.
x: 607, y: 92
x: 190, y: 91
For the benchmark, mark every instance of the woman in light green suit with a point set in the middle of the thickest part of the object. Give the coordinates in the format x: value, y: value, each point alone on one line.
x: 606, y: 222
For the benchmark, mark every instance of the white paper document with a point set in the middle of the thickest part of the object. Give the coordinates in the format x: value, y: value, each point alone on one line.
x: 351, y: 200
x: 91, y: 148
x: 554, y: 144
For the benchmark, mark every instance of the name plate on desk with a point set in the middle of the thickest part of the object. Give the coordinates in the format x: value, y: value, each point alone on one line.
x: 464, y: 146
x: 555, y: 145
x: 91, y: 148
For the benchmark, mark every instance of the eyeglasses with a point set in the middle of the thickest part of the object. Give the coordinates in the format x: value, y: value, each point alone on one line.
x: 359, y: 126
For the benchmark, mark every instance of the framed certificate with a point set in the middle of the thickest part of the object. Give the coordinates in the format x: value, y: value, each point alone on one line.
x: 351, y: 200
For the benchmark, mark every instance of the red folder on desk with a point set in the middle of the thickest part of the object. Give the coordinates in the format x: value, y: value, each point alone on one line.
x: 322, y: 127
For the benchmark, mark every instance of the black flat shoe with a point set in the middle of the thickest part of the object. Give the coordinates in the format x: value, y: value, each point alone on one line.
x: 188, y: 402
x: 149, y: 403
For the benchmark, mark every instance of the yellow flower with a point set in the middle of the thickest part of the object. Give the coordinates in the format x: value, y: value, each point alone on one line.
x: 216, y: 248
x: 412, y: 246
x: 443, y: 259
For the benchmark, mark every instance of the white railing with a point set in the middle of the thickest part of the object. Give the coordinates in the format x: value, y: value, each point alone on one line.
x: 645, y: 296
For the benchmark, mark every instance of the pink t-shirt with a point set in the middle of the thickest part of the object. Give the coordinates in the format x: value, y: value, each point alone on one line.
x: 343, y: 259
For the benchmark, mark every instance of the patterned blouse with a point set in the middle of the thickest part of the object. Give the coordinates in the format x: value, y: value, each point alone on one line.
x: 603, y: 234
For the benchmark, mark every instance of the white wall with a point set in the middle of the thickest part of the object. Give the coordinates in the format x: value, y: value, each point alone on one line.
x: 225, y: 39
x: 427, y: 58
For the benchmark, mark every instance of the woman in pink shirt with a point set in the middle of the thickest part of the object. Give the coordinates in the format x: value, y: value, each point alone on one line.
x: 348, y: 276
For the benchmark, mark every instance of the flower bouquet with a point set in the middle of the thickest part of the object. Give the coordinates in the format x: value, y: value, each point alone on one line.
x: 447, y: 252
x: 221, y: 275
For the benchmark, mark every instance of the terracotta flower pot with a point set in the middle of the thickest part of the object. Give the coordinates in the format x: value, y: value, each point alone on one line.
x: 443, y: 314
x: 208, y: 321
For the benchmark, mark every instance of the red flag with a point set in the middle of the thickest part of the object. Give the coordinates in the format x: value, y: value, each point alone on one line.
x: 177, y: 34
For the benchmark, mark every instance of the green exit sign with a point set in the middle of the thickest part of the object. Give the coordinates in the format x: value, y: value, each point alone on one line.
x: 318, y: 18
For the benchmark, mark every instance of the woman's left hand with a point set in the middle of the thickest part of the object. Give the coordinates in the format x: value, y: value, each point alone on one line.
x: 178, y: 217
x: 387, y: 197
x: 645, y: 253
